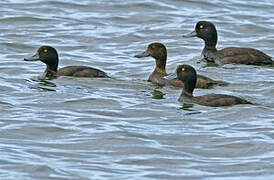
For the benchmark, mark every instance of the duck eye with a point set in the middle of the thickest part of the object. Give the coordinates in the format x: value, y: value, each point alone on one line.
x: 201, y: 26
x: 45, y: 50
x: 183, y: 69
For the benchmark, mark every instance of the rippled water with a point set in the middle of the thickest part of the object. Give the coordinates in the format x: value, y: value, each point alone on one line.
x: 121, y: 128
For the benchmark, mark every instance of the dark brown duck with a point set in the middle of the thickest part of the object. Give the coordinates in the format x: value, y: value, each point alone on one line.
x: 49, y: 56
x: 159, y: 53
x: 234, y: 55
x: 188, y: 76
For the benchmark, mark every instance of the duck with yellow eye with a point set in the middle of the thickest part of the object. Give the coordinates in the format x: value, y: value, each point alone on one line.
x: 231, y: 55
x: 49, y: 56
x: 188, y: 76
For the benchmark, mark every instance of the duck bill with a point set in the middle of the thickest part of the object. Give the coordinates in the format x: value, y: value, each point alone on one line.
x: 143, y: 54
x: 35, y: 57
x: 192, y: 34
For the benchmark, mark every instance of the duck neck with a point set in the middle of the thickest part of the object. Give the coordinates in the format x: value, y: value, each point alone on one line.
x: 50, y: 71
x: 188, y: 90
x: 160, y: 66
x: 210, y: 53
x: 185, y: 95
x: 211, y: 48
x: 211, y: 41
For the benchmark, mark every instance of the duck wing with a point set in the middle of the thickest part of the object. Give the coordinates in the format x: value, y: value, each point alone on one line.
x: 248, y: 56
x: 81, y: 71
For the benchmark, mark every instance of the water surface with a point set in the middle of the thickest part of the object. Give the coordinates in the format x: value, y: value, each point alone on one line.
x: 120, y: 128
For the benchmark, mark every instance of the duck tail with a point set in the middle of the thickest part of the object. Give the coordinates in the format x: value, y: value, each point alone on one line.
x: 269, y: 63
x: 221, y: 83
x: 246, y: 102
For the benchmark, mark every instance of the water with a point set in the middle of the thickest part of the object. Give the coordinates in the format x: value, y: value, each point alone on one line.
x: 121, y: 128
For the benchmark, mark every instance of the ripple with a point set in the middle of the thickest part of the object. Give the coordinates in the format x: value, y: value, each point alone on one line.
x: 125, y: 127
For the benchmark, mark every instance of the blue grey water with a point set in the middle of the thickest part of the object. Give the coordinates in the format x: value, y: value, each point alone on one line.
x: 125, y: 127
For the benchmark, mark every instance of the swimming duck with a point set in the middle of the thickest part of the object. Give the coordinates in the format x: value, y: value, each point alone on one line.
x: 249, y: 56
x: 49, y: 56
x: 188, y: 76
x: 159, y: 53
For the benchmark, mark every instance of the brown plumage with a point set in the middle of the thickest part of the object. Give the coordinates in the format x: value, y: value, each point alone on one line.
x: 159, y: 53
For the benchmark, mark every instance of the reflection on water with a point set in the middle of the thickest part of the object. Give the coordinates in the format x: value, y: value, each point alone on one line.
x: 43, y: 85
x: 158, y: 94
x: 187, y: 106
x: 126, y: 127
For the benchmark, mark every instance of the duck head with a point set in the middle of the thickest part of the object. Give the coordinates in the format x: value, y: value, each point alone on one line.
x: 188, y: 76
x: 47, y: 55
x: 206, y: 31
x: 158, y: 52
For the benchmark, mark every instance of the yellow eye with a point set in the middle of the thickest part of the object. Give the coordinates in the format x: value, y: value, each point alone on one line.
x: 45, y: 50
x: 183, y: 69
x: 201, y: 26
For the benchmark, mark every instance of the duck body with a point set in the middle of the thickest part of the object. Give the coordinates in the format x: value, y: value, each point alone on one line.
x: 159, y: 76
x: 236, y: 55
x: 213, y: 100
x: 206, y: 82
x: 231, y: 55
x: 49, y: 56
x: 81, y: 71
x: 247, y: 56
x: 188, y: 76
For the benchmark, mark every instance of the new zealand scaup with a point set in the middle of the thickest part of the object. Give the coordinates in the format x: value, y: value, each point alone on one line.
x: 235, y: 55
x: 49, y: 56
x: 188, y: 76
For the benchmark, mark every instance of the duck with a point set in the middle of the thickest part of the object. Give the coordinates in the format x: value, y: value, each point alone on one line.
x: 187, y: 74
x: 159, y: 52
x: 49, y: 56
x: 231, y: 55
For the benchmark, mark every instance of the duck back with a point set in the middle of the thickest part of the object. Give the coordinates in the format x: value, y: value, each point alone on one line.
x: 248, y: 56
x: 216, y: 100
x: 81, y: 71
